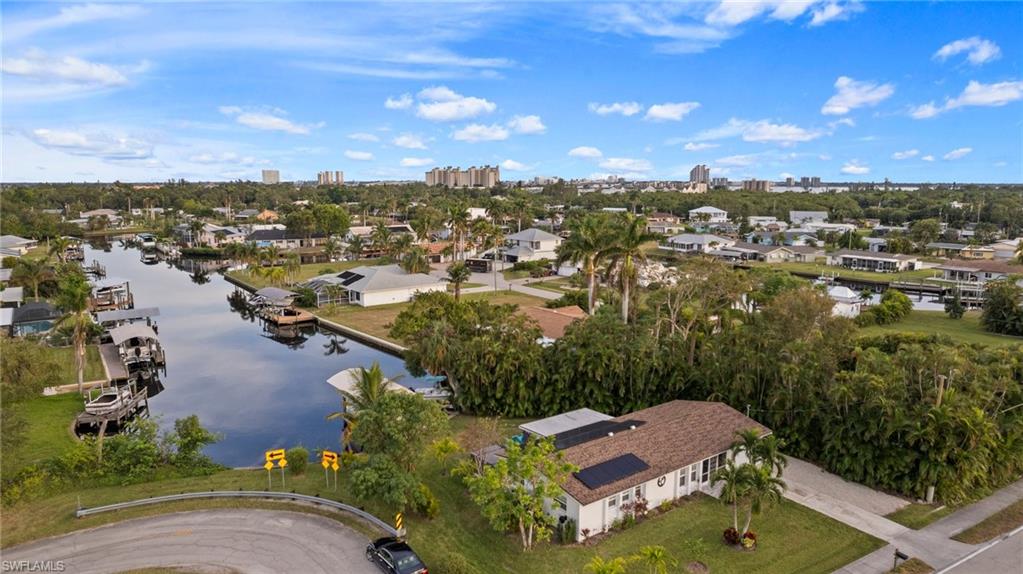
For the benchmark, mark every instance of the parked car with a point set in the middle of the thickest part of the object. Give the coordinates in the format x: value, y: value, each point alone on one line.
x: 395, y: 557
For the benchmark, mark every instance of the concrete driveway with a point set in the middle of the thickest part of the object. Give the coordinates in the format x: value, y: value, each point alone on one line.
x: 858, y: 506
x: 235, y: 540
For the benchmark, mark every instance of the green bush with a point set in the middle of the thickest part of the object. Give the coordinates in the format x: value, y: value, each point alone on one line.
x: 580, y: 298
x: 894, y: 307
x: 306, y: 297
x: 426, y: 503
x: 134, y: 453
x: 298, y: 459
x: 451, y: 563
x: 566, y: 531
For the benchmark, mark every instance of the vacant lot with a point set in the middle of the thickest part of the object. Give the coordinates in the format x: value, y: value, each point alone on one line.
x: 967, y: 330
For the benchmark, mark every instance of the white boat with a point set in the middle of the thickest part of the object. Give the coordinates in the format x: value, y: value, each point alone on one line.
x: 434, y: 393
x: 109, y: 400
x: 147, y: 240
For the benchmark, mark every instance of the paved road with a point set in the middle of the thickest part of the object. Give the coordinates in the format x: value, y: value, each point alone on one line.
x: 242, y: 540
x: 1006, y: 556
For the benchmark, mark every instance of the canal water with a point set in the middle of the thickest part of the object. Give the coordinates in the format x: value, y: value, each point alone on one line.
x: 258, y: 390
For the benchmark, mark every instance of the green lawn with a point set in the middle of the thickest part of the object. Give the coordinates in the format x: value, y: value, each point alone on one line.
x: 69, y: 374
x: 917, y: 515
x: 308, y: 271
x: 966, y: 330
x: 48, y: 432
x: 510, y: 274
x: 557, y: 285
x: 818, y: 269
x: 1005, y: 520
x: 376, y: 320
x: 451, y: 288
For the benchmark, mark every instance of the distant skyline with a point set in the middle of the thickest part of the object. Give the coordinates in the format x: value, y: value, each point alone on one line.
x: 843, y: 90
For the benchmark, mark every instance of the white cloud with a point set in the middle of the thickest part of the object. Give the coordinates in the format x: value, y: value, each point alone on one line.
x: 95, y: 143
x: 512, y: 165
x: 442, y: 104
x: 70, y: 16
x: 674, y: 111
x: 626, y: 164
x: 957, y: 153
x: 855, y: 167
x: 402, y: 102
x: 744, y: 160
x: 660, y: 21
x: 974, y: 94
x: 358, y: 155
x: 906, y: 154
x: 785, y: 134
x: 786, y: 175
x: 691, y: 146
x: 38, y: 65
x: 851, y: 94
x: 527, y: 125
x: 978, y: 50
x: 481, y: 133
x: 842, y: 122
x: 416, y: 161
x: 363, y: 137
x: 928, y: 158
x: 832, y: 11
x: 227, y: 157
x: 623, y: 108
x: 585, y: 152
x: 268, y: 120
x: 824, y: 157
x: 409, y: 141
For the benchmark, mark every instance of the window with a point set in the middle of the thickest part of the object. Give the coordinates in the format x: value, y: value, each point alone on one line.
x: 721, y: 459
x: 682, y: 477
x: 638, y: 492
x: 612, y: 502
x: 626, y: 497
x: 692, y: 472
x: 710, y: 465
x: 561, y: 502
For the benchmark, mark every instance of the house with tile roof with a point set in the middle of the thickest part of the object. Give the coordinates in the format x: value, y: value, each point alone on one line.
x: 656, y: 454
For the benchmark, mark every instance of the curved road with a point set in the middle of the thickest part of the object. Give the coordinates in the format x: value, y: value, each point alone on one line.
x: 249, y: 541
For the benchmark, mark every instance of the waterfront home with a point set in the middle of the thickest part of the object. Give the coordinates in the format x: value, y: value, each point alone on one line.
x: 17, y: 245
x: 753, y: 252
x: 372, y: 285
x: 789, y: 238
x: 847, y: 302
x: 818, y: 227
x: 664, y: 223
x: 29, y: 319
x: 553, y: 321
x: 696, y: 242
x: 653, y: 455
x: 869, y: 261
x: 876, y: 244
x: 708, y: 214
x: 531, y: 245
x: 766, y: 222
x: 971, y: 278
x: 804, y: 217
x: 944, y: 249
x: 285, y: 239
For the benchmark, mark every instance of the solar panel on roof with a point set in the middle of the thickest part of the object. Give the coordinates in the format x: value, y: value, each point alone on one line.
x: 352, y: 279
x: 592, y: 431
x: 610, y: 471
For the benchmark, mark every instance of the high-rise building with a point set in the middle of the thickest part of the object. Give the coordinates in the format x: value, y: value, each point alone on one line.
x: 719, y: 182
x: 271, y: 176
x: 790, y: 181
x: 330, y: 178
x: 809, y: 181
x: 699, y: 174
x: 485, y: 176
x: 756, y: 185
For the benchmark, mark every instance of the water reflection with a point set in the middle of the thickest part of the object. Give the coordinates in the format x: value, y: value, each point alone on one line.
x: 260, y: 388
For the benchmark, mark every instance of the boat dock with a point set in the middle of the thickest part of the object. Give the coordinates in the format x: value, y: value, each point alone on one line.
x: 112, y: 363
x: 139, y: 403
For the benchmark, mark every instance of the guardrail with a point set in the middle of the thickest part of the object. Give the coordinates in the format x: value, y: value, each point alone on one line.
x: 242, y: 494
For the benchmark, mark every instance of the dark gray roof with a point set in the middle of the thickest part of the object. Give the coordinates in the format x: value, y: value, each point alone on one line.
x: 35, y: 311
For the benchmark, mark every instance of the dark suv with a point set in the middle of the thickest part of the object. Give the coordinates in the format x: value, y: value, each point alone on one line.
x: 395, y: 557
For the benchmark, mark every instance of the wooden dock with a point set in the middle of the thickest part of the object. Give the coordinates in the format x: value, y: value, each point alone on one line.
x: 139, y: 403
x: 112, y: 363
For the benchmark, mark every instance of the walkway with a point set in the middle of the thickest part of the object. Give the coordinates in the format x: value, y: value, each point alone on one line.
x: 487, y: 280
x: 242, y: 540
x: 933, y: 543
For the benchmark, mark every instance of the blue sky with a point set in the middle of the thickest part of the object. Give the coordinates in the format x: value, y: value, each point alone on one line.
x: 848, y: 91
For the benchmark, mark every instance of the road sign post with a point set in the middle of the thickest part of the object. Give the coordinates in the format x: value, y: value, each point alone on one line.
x: 399, y: 525
x: 275, y: 455
x: 328, y: 459
x: 335, y: 466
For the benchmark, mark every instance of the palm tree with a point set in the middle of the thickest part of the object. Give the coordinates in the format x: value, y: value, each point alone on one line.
x: 588, y: 244
x: 73, y: 299
x: 458, y: 220
x: 59, y: 247
x: 331, y: 248
x: 32, y: 272
x: 401, y: 245
x: 761, y: 451
x: 369, y: 385
x: 656, y: 558
x: 625, y: 253
x: 380, y: 237
x: 292, y: 265
x: 763, y: 489
x: 415, y: 261
x: 458, y: 273
x: 276, y: 275
x: 355, y: 247
x: 736, y: 483
x: 597, y: 565
x: 195, y: 227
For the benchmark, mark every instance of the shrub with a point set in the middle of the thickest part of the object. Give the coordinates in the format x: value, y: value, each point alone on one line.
x: 665, y: 505
x: 426, y: 503
x: 578, y: 297
x: 731, y: 536
x: 567, y: 531
x: 306, y: 297
x: 749, y: 540
x: 298, y: 459
x: 451, y: 563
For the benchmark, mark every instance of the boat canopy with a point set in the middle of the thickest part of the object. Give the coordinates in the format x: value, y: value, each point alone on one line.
x: 126, y: 332
x: 276, y: 295
x: 345, y: 381
x: 127, y: 314
x: 108, y: 282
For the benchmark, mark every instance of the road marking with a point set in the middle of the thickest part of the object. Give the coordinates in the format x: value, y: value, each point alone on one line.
x: 980, y: 550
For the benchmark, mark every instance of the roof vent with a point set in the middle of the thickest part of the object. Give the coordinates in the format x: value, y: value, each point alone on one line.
x: 610, y: 434
x: 632, y: 427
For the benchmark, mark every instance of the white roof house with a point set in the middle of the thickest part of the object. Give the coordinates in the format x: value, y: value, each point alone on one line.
x: 696, y: 242
x: 847, y: 302
x: 531, y: 245
x: 17, y: 244
x: 12, y: 296
x: 800, y: 217
x: 551, y: 426
x: 709, y: 214
x: 377, y: 285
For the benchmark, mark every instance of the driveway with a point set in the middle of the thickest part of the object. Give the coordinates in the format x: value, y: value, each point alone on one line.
x: 858, y: 506
x: 242, y: 540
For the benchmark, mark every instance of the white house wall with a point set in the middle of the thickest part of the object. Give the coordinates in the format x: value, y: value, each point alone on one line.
x: 385, y: 297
